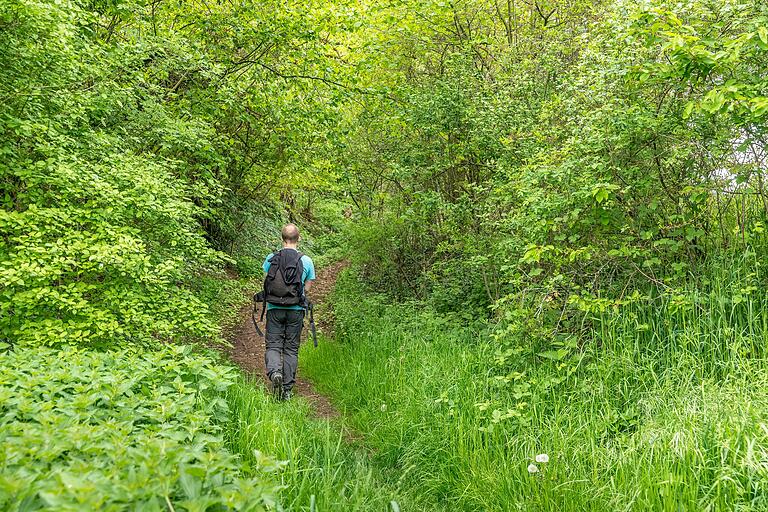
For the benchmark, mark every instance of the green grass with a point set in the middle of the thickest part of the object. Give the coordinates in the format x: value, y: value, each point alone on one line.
x: 664, y: 406
x: 673, y: 416
x: 316, y: 461
x: 316, y: 458
x: 152, y: 429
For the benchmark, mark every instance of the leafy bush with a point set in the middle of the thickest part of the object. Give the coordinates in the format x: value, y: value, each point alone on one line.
x: 570, y: 168
x: 88, y: 430
x: 136, y: 141
x: 95, y: 253
x: 99, y: 238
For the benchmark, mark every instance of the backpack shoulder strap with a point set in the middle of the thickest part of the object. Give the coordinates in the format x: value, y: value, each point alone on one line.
x: 300, y: 269
x: 274, y: 263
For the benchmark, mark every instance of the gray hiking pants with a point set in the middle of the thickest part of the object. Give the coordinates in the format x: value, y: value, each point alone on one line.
x: 283, y: 336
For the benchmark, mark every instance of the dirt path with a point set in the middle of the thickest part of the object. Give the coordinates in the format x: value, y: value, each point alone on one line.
x: 248, y: 347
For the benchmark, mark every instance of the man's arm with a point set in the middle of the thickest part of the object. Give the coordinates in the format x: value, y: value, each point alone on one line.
x: 266, y: 263
x: 310, y: 271
x: 307, y: 302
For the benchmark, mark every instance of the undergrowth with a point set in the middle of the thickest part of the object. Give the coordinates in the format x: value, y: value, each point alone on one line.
x: 627, y: 424
x: 121, y: 430
x: 318, y: 463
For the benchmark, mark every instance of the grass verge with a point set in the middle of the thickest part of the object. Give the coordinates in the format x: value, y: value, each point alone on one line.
x: 316, y: 461
x: 455, y: 417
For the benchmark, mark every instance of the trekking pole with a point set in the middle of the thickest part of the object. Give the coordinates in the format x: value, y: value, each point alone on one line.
x: 253, y: 317
x: 312, y: 323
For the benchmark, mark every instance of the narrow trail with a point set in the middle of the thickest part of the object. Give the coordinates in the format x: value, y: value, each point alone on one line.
x: 248, y: 347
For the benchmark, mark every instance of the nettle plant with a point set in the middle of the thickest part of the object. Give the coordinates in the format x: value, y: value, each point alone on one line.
x: 88, y: 430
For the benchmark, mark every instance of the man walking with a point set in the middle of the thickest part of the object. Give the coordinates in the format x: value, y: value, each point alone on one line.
x: 289, y: 277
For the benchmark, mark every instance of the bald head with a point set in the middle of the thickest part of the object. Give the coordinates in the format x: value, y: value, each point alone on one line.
x: 290, y: 234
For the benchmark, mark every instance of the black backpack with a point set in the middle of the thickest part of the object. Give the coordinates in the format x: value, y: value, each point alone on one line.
x: 283, y: 287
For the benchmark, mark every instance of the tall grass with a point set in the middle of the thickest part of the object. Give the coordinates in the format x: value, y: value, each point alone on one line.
x: 665, y: 408
x: 322, y: 471
x: 720, y: 320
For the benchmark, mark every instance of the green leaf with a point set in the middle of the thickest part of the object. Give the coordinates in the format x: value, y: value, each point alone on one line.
x: 688, y: 109
x: 762, y: 32
x: 554, y: 355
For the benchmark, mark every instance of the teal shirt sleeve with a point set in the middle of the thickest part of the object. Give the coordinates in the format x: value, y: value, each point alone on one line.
x: 266, y: 263
x: 309, y: 269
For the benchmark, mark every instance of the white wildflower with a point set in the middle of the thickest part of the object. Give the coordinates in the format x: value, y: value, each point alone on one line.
x: 542, y: 457
x: 383, y: 407
x: 533, y: 468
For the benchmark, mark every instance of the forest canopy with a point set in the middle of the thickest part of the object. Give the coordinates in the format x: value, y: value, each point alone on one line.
x: 568, y: 149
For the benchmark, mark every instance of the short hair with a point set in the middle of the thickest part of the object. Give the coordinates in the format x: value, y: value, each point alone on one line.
x: 290, y: 233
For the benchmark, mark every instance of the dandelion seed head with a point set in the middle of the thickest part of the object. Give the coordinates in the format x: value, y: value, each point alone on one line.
x: 542, y: 457
x: 533, y: 468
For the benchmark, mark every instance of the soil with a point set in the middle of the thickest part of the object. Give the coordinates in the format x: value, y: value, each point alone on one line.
x: 248, y: 347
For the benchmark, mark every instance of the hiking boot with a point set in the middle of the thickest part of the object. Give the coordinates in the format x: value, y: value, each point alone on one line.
x: 277, y: 385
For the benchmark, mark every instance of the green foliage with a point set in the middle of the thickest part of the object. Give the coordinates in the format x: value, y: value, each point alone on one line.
x: 224, y: 296
x: 98, y: 239
x: 135, y: 139
x: 319, y: 464
x: 121, y: 429
x: 545, y: 161
x: 95, y: 253
x: 589, y: 175
x: 649, y: 417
